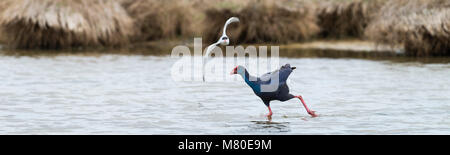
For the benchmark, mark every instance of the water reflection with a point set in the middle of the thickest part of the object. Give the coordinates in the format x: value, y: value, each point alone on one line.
x: 269, y: 126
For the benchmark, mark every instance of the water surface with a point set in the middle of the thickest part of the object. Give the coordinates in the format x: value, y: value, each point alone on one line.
x: 119, y: 94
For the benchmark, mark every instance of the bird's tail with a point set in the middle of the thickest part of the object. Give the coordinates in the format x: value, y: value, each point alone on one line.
x: 288, y: 66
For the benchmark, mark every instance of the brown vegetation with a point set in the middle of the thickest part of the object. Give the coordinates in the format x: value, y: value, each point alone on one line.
x: 3, y: 5
x: 265, y: 21
x: 423, y: 27
x: 344, y: 19
x: 159, y: 19
x: 50, y: 24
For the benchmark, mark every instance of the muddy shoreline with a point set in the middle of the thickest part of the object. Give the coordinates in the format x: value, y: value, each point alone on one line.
x: 314, y: 49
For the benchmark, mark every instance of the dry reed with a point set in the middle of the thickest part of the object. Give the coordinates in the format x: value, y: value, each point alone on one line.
x: 50, y: 24
x: 160, y: 19
x: 264, y: 22
x: 422, y: 27
x: 344, y: 19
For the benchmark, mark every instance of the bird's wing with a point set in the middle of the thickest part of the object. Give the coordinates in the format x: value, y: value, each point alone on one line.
x: 285, y: 71
x: 229, y: 21
x: 268, y: 76
x: 209, y: 49
x: 282, y: 73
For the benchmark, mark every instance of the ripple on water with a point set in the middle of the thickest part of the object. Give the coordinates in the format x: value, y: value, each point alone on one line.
x: 114, y: 94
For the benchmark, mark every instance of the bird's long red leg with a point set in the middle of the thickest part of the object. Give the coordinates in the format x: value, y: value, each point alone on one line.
x: 310, y: 112
x: 269, y: 116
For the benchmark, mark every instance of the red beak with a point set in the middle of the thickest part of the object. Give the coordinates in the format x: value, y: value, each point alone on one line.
x: 234, y: 71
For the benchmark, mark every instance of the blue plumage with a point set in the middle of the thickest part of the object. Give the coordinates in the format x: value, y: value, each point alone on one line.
x: 281, y: 91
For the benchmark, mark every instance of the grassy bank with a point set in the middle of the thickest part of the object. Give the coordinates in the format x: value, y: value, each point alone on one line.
x: 421, y: 27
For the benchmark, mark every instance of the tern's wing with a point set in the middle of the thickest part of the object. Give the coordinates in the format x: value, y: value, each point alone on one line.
x: 209, y: 49
x: 229, y: 21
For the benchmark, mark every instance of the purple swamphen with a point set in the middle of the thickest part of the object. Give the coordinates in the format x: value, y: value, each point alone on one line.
x: 281, y: 93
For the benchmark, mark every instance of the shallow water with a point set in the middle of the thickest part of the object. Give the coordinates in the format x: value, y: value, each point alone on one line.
x: 117, y: 94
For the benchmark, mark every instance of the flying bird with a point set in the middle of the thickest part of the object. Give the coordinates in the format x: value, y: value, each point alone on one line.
x: 281, y: 93
x: 223, y: 40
